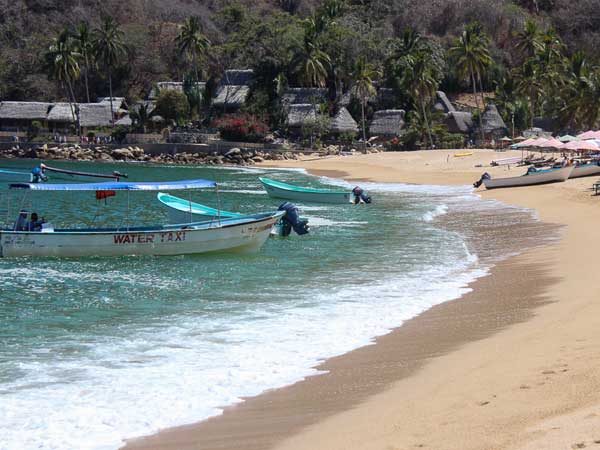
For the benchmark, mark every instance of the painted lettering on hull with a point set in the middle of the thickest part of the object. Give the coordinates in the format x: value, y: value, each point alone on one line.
x: 149, y: 238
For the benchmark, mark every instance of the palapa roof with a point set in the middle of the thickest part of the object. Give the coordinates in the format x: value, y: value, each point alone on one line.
x: 299, y: 115
x: 24, y: 110
x: 442, y: 103
x: 231, y: 95
x: 90, y: 114
x: 171, y: 86
x: 459, y: 122
x: 297, y: 96
x: 387, y: 123
x: 343, y: 122
x: 237, y: 77
x: 94, y: 114
x: 492, y: 120
x: 61, y: 112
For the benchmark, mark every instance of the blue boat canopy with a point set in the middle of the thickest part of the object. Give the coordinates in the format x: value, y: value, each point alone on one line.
x: 118, y: 186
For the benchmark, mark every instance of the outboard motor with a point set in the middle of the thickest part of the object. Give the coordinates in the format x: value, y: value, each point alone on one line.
x: 291, y: 220
x: 360, y: 195
x: 485, y: 176
x: 37, y: 176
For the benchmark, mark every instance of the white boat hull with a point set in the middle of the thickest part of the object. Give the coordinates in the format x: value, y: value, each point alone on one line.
x: 245, y: 234
x: 310, y: 197
x: 585, y: 170
x: 550, y: 176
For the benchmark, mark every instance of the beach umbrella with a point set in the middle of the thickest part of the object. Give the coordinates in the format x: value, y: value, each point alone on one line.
x: 553, y: 143
x: 580, y: 145
x: 520, y: 138
x: 568, y: 138
x: 589, y: 135
x: 526, y: 143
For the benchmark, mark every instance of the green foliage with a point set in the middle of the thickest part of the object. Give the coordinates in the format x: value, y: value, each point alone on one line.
x: 33, y: 130
x: 119, y: 133
x: 172, y: 105
x: 314, y: 130
x: 241, y: 128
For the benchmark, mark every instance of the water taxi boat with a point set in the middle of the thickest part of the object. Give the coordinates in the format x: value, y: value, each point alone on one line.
x: 239, y: 234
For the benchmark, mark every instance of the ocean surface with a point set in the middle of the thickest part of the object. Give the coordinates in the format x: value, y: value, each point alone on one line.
x: 97, y: 350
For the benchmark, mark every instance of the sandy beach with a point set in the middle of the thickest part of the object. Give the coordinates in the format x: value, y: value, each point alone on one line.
x: 519, y: 367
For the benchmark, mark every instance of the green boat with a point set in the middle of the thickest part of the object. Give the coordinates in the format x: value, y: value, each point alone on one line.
x: 277, y: 189
x: 183, y: 211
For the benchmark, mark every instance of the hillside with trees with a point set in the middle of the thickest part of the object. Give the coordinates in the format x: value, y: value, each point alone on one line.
x: 538, y: 57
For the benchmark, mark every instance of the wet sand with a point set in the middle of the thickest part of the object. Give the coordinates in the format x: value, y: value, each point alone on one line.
x: 512, y: 365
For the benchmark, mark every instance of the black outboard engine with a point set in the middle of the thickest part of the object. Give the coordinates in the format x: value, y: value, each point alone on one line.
x: 291, y: 220
x: 485, y: 176
x: 360, y: 195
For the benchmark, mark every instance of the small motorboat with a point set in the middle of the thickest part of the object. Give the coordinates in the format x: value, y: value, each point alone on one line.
x: 78, y: 175
x: 237, y: 234
x: 532, y: 177
x: 182, y: 211
x: 586, y: 170
x: 277, y: 189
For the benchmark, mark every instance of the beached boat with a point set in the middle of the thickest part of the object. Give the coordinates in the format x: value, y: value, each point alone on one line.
x: 530, y: 178
x: 182, y: 211
x: 277, y: 189
x: 239, y: 234
x: 586, y: 170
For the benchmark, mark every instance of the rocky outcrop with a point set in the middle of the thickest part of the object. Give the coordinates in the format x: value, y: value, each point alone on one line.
x: 235, y: 156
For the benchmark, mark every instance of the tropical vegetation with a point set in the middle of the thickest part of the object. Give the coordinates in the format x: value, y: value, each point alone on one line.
x: 535, y: 59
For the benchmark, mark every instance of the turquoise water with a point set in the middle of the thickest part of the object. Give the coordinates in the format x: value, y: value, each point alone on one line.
x: 99, y: 349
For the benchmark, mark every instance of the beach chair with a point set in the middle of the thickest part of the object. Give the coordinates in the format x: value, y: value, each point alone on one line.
x: 596, y: 187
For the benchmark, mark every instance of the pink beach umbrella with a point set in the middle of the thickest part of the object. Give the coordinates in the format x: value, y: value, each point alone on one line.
x: 580, y: 145
x: 589, y: 135
x: 553, y: 143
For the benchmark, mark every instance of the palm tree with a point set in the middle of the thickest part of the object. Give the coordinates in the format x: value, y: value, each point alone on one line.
x: 85, y: 47
x: 193, y: 44
x: 109, y: 47
x: 472, y: 57
x: 141, y: 115
x: 421, y: 79
x: 529, y: 84
x: 364, y: 75
x: 62, y: 61
x: 528, y: 40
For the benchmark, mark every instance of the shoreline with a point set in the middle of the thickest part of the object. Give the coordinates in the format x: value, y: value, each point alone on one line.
x: 285, y: 418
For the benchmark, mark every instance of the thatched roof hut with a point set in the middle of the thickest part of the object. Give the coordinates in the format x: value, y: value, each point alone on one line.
x: 24, y: 110
x: 237, y: 77
x: 492, y: 122
x: 231, y: 96
x: 459, y: 122
x: 297, y: 96
x: 387, y: 123
x: 343, y: 122
x: 234, y: 88
x: 171, y: 86
x: 91, y: 115
x: 62, y: 112
x: 442, y: 103
x: 300, y: 115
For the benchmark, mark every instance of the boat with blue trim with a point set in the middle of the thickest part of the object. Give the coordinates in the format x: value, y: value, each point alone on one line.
x: 245, y: 233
